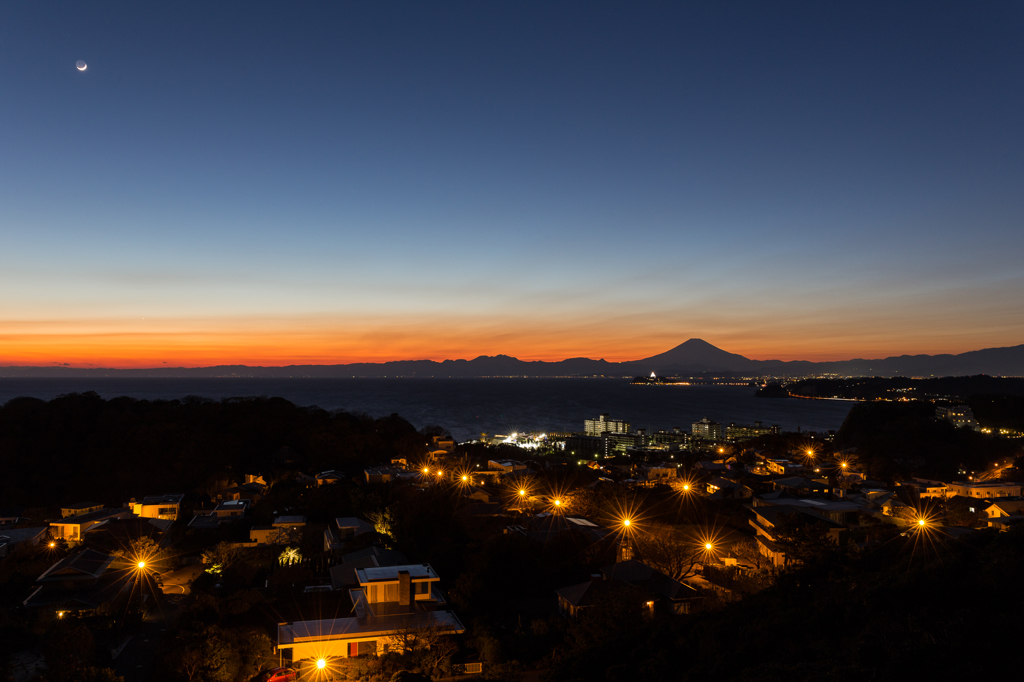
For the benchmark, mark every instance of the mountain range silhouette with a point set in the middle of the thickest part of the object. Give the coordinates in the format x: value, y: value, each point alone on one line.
x: 692, y: 357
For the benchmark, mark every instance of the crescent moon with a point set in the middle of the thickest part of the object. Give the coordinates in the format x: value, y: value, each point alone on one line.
x: 80, y: 65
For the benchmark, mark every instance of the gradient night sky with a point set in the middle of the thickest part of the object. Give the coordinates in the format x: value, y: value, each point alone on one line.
x: 278, y: 183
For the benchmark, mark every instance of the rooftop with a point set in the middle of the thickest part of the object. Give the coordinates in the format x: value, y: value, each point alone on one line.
x: 390, y: 573
x: 97, y: 515
x: 350, y: 628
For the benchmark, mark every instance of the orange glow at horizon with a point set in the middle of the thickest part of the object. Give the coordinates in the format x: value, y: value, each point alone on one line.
x: 326, y: 341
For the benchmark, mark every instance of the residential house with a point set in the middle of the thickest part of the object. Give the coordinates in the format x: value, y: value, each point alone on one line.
x: 662, y: 472
x: 443, y: 443
x: 800, y: 486
x: 15, y: 536
x: 350, y: 527
x: 1005, y: 508
x: 657, y: 591
x: 781, y: 467
x: 80, y: 582
x: 381, y: 474
x: 251, y: 490
x: 767, y: 522
x: 229, y: 509
x: 506, y: 466
x: 726, y: 489
x: 394, y: 606
x: 711, y: 467
x: 329, y: 477
x: 79, y: 508
x: 924, y: 489
x: 987, y: 490
x: 225, y: 512
x: 73, y: 528
x: 284, y: 530
x: 157, y: 507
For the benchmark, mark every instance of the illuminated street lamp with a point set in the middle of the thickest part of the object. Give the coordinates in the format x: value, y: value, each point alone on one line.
x: 321, y: 663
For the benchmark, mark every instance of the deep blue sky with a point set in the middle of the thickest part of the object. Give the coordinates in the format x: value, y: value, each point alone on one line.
x: 278, y: 182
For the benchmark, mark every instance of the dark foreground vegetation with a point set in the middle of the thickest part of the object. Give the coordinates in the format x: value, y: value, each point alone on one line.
x: 917, y: 607
x: 896, y: 440
x: 80, y: 446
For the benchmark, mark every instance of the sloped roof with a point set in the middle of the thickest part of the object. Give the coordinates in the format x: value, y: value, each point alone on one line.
x: 87, y: 563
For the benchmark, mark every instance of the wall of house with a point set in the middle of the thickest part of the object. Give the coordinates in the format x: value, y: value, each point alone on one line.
x: 331, y: 648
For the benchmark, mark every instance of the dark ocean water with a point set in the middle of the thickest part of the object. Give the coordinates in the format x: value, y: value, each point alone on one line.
x: 467, y: 407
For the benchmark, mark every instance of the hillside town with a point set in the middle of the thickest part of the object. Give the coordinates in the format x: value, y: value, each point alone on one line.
x: 452, y: 560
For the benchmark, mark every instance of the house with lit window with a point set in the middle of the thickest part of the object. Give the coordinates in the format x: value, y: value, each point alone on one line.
x: 1005, y: 508
x: 73, y: 528
x: 655, y: 591
x: 79, y: 508
x: 393, y: 606
x: 985, y: 490
x: 157, y: 507
x: 770, y: 521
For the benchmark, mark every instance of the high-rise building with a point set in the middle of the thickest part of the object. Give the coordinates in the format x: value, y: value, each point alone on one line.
x: 595, y: 427
x: 707, y: 429
x: 960, y: 415
x: 734, y: 432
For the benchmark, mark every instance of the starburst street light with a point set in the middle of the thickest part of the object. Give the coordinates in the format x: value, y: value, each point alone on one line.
x: 321, y: 663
